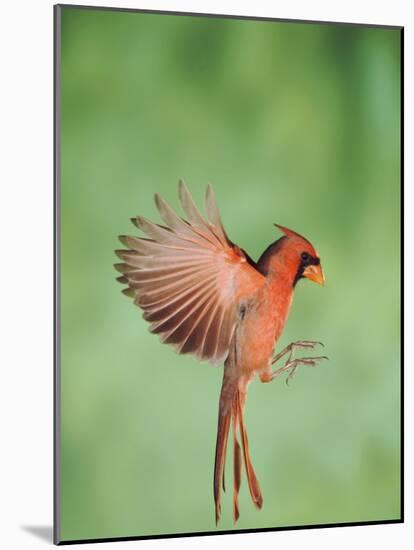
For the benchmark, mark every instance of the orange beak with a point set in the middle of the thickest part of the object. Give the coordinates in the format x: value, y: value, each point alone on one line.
x: 315, y: 274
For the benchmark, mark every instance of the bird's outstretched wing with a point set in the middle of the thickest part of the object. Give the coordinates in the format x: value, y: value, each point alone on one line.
x: 188, y: 277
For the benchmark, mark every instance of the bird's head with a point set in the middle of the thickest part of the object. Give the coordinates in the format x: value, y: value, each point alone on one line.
x: 301, y: 257
x: 294, y: 256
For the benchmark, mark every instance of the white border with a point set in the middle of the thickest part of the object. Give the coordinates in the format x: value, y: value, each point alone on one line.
x: 26, y: 268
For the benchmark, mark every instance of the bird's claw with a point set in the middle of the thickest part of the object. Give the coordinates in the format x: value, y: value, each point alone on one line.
x: 292, y: 365
x: 308, y: 344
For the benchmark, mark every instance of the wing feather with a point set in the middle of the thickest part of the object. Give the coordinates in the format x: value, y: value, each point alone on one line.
x: 188, y: 277
x: 213, y: 214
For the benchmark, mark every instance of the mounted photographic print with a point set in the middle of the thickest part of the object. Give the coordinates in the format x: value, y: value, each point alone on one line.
x: 228, y: 274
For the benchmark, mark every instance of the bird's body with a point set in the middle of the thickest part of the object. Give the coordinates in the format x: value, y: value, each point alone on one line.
x: 262, y: 325
x: 205, y: 296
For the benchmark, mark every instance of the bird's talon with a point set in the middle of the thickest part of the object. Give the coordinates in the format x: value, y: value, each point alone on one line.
x: 292, y: 364
x: 300, y: 344
x: 290, y: 375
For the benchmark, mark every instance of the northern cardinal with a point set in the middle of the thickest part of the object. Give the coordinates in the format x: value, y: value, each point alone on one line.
x: 204, y: 295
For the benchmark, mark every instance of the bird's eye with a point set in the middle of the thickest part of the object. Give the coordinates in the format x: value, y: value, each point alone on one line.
x: 305, y: 256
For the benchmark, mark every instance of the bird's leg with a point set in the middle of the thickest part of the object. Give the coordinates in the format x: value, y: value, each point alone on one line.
x: 292, y: 364
x: 311, y: 344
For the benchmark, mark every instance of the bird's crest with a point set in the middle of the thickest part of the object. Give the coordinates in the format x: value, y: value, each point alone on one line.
x: 290, y: 232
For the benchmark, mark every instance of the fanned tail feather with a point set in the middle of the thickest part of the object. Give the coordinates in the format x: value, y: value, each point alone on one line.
x: 237, y: 465
x: 253, y: 482
x: 221, y: 447
x: 231, y: 410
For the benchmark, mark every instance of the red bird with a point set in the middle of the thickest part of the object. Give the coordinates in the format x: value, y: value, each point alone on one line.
x: 204, y: 295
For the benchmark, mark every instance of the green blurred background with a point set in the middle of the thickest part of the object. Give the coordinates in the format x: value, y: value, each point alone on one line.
x: 292, y: 123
